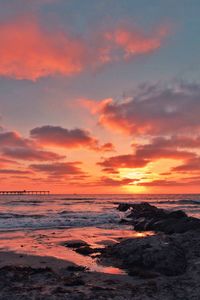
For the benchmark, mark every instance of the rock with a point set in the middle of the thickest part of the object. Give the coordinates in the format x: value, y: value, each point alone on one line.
x: 73, y: 281
x: 147, y: 256
x: 146, y: 217
x: 124, y: 206
x: 74, y: 244
x: 76, y: 268
x: 59, y: 290
x: 177, y: 214
x: 87, y: 250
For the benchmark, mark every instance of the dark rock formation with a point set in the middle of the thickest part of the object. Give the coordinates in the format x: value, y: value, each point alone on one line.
x: 81, y: 247
x: 74, y: 244
x: 172, y: 252
x: 147, y: 257
x: 87, y: 250
x: 146, y: 217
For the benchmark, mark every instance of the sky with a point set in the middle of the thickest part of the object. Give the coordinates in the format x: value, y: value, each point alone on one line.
x: 100, y: 96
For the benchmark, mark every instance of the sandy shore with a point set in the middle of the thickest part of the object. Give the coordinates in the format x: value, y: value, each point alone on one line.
x: 35, y: 277
x: 161, y: 266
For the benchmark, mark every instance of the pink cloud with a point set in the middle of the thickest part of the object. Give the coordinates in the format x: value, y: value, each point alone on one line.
x: 134, y: 42
x: 5, y: 162
x: 31, y: 51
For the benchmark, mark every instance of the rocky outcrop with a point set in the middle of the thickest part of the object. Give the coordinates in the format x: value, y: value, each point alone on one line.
x: 74, y: 244
x: 82, y: 247
x: 147, y: 257
x: 146, y: 217
x: 174, y: 250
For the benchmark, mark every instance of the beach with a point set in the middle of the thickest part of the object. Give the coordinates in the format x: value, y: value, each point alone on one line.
x: 77, y: 262
x: 34, y: 277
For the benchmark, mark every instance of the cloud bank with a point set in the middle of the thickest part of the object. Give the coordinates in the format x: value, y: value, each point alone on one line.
x: 153, y: 110
x: 29, y: 50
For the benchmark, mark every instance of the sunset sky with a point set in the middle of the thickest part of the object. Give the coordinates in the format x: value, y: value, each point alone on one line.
x: 100, y: 96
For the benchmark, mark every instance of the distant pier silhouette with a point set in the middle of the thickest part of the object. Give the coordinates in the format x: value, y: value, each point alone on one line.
x: 24, y: 192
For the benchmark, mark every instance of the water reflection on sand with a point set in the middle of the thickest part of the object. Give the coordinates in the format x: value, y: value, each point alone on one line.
x: 49, y: 243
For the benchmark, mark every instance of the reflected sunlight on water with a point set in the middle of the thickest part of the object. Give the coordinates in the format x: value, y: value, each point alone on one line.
x: 39, y: 224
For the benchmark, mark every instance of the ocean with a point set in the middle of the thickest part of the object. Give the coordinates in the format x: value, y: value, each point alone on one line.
x: 70, y: 211
x: 39, y: 224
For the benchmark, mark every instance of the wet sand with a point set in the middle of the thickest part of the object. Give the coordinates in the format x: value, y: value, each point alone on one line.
x: 50, y: 243
x: 36, y: 277
x: 93, y: 263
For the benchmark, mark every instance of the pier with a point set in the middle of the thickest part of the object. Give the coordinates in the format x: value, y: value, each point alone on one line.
x: 24, y: 192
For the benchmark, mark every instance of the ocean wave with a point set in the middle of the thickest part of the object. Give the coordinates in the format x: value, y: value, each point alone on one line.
x: 74, y: 198
x: 69, y: 220
x: 13, y: 215
x: 22, y: 202
x: 64, y: 211
x: 181, y: 201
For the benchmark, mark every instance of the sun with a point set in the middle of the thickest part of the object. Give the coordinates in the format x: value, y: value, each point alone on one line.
x: 136, y: 189
x: 132, y: 173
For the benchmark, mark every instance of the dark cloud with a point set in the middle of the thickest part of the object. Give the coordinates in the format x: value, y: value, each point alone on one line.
x: 12, y: 171
x: 30, y: 154
x: 192, y: 165
x: 122, y: 161
x: 155, y: 110
x: 106, y: 181
x: 13, y: 145
x: 166, y: 183
x: 58, y: 169
x: 163, y: 148
x: 12, y: 139
x: 176, y: 141
x: 158, y: 148
x: 66, y: 138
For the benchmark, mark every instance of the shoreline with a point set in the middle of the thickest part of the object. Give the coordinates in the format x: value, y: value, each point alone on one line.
x: 34, y: 277
x: 164, y: 265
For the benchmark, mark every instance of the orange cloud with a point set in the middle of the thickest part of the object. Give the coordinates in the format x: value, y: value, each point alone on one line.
x: 107, y: 181
x: 122, y: 161
x: 159, y: 148
x: 170, y: 183
x: 13, y: 171
x: 30, y: 51
x: 192, y: 165
x: 6, y: 162
x: 134, y: 42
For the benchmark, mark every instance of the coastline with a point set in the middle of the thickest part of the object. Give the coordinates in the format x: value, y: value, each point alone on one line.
x: 35, y: 277
x: 167, y: 268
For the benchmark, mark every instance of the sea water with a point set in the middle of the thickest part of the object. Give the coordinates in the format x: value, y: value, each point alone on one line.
x: 39, y: 224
